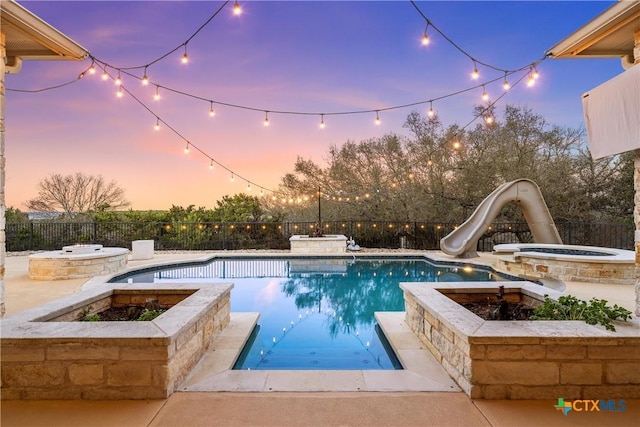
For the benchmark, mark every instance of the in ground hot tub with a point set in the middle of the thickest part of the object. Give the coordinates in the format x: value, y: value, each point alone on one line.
x: 77, y: 261
x: 567, y: 262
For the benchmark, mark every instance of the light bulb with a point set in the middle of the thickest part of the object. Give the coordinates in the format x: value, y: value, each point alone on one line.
x: 237, y: 10
x: 377, y: 119
x: 488, y: 119
x: 156, y: 96
x: 185, y: 58
x: 212, y: 112
x: 145, y: 79
x: 425, y: 39
x: 505, y: 85
x: 186, y: 149
x: 120, y: 93
x: 157, y: 126
x: 535, y: 74
x: 322, y: 124
x: 105, y: 75
x: 485, y: 95
x: 92, y: 69
x: 475, y: 74
x: 248, y: 187
x: 531, y: 81
x: 431, y: 113
x: 429, y: 162
x: 457, y: 145
x: 232, y: 178
x: 211, y: 165
x: 118, y: 80
x: 266, y: 119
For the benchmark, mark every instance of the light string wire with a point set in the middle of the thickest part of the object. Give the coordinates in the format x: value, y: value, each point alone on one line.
x: 125, y: 70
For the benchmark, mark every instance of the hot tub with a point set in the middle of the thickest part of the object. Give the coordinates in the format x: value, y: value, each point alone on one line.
x: 567, y: 262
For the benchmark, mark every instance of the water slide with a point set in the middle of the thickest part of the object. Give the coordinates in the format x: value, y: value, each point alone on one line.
x: 463, y: 241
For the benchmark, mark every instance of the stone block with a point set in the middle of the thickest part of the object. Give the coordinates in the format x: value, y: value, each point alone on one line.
x: 32, y: 375
x: 77, y: 351
x: 614, y: 352
x: 580, y: 373
x: 80, y: 374
x: 129, y: 374
x: 623, y: 372
x: 514, y: 352
x: 566, y: 352
x: 10, y: 353
x: 525, y: 373
x: 144, y: 353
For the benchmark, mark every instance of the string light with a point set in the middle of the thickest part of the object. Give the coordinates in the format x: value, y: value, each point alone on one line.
x: 185, y: 57
x: 535, y: 73
x: 488, y: 119
x: 237, y: 10
x: 118, y: 79
x: 266, y: 118
x: 186, y: 149
x: 119, y: 93
x: 212, y: 112
x: 157, y: 126
x: 248, y: 186
x: 429, y: 162
x: 431, y: 113
x: 505, y: 84
x: 105, y: 75
x: 145, y: 79
x: 92, y: 68
x: 531, y: 81
x: 485, y: 95
x: 232, y: 179
x: 211, y: 165
x: 377, y: 119
x: 156, y: 96
x: 457, y: 145
x: 322, y: 124
x: 425, y: 36
x: 475, y: 74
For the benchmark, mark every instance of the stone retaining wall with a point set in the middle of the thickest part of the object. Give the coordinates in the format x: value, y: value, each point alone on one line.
x: 47, y: 359
x: 524, y: 359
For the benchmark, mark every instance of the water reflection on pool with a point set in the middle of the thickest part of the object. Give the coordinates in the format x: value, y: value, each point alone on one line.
x: 315, y: 313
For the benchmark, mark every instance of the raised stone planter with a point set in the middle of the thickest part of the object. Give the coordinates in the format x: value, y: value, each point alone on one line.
x: 522, y: 359
x: 77, y: 262
x: 329, y: 244
x: 46, y: 354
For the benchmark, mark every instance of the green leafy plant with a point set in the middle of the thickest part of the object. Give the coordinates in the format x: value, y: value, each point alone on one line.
x: 568, y: 307
x: 148, y: 315
x: 92, y: 318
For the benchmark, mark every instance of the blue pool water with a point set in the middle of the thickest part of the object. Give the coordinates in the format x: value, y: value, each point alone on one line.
x: 315, y: 313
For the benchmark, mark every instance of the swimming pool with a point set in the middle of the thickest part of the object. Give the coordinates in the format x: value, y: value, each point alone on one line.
x: 315, y: 313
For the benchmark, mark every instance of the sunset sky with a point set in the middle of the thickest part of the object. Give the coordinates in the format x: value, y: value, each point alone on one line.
x: 302, y: 57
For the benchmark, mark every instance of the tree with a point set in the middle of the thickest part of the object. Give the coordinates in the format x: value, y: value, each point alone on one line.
x: 239, y: 207
x: 439, y: 173
x: 77, y: 194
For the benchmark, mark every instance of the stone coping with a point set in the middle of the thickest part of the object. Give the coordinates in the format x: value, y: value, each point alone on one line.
x: 33, y: 323
x: 326, y: 237
x: 458, y: 317
x: 61, y: 255
x: 520, y: 249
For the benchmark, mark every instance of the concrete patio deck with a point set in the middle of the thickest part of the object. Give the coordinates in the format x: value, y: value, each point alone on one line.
x: 328, y: 408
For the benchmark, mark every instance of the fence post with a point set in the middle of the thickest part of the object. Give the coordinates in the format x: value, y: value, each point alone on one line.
x: 31, y: 236
x: 224, y: 235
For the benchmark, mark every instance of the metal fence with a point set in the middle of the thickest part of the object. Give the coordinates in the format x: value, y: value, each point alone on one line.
x: 31, y: 236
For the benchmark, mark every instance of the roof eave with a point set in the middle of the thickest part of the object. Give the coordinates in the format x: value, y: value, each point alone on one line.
x: 61, y: 46
x: 615, y: 16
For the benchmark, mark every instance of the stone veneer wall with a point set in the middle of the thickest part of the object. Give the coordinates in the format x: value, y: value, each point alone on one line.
x: 568, y: 271
x: 64, y: 267
x: 103, y: 361
x: 525, y: 359
x: 318, y: 245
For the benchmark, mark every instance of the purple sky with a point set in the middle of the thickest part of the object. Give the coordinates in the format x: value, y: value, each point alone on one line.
x: 312, y: 56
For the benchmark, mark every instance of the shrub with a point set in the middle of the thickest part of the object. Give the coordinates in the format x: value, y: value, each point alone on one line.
x: 568, y: 307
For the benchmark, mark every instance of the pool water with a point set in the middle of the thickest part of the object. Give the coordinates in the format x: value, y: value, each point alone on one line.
x: 315, y: 313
